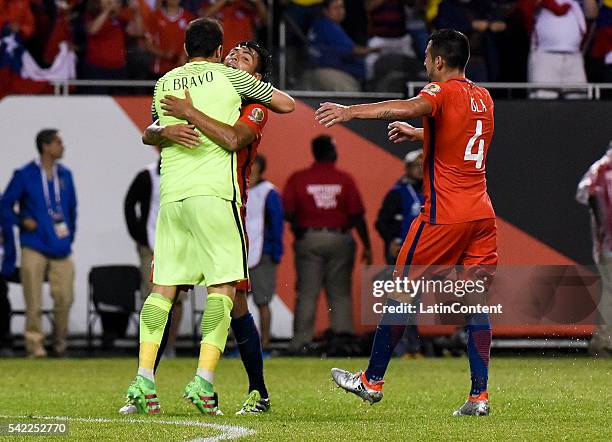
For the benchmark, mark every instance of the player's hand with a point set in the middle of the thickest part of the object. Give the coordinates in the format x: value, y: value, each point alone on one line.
x: 366, y: 256
x: 183, y: 134
x: 177, y: 107
x: 329, y: 114
x: 400, y: 132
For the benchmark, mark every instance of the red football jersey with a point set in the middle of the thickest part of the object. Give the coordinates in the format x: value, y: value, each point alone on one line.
x: 457, y: 136
x: 256, y: 116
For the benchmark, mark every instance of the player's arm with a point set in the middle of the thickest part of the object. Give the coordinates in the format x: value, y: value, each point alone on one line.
x: 231, y: 138
x: 183, y: 134
x: 329, y: 114
x: 400, y: 132
x: 281, y: 102
x: 248, y: 87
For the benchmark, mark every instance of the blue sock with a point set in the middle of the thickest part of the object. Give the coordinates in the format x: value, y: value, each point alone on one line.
x: 249, y: 346
x: 479, y: 349
x: 164, y: 341
x: 388, y: 333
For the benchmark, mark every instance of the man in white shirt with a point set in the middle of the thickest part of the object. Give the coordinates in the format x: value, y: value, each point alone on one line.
x: 556, y: 56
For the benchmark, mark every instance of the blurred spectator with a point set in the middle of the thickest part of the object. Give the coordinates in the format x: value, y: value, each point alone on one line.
x: 355, y: 21
x: 106, y: 23
x: 139, y: 61
x: 331, y: 47
x: 141, y: 207
x: 559, y: 28
x: 44, y: 13
x: 17, y: 15
x: 595, y: 190
x: 397, y: 61
x: 401, y: 205
x: 479, y: 20
x: 297, y: 17
x: 323, y: 204
x: 387, y: 32
x: 601, y: 51
x: 7, y: 270
x: 416, y: 25
x: 59, y: 30
x: 513, y: 44
x: 240, y: 19
x: 165, y: 36
x: 303, y: 12
x: 264, y: 225
x: 47, y: 219
x: 193, y: 6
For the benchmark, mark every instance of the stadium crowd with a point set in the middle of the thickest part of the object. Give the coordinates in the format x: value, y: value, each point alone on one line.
x: 346, y: 45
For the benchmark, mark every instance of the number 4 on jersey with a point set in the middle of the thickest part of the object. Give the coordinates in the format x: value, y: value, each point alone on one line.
x: 478, y: 156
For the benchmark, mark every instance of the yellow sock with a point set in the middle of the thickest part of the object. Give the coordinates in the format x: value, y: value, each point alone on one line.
x: 147, y: 355
x: 153, y: 320
x: 207, y: 363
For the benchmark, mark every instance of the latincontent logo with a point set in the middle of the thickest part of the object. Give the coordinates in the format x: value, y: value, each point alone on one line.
x: 512, y: 295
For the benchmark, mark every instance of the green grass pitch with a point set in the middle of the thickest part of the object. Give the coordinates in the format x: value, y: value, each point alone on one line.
x: 550, y: 399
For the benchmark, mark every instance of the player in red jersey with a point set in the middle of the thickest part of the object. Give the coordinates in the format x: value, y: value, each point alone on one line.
x: 457, y: 222
x: 243, y: 138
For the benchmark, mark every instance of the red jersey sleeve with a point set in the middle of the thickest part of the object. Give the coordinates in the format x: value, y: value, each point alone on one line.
x: 354, y: 204
x: 434, y: 93
x: 255, y: 116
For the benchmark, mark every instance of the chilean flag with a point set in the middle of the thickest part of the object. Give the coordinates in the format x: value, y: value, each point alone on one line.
x: 19, y: 72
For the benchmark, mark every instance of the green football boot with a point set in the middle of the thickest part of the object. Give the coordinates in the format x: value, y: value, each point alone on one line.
x: 200, y: 393
x: 254, y: 403
x: 142, y: 395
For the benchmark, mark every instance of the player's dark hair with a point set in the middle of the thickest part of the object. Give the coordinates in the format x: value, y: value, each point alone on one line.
x: 202, y: 37
x: 260, y: 160
x: 45, y: 136
x: 264, y: 66
x: 324, y: 149
x: 453, y: 46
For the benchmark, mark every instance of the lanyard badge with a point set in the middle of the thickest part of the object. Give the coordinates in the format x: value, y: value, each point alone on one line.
x: 56, y: 214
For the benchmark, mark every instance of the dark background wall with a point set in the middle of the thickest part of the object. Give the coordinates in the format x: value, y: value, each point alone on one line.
x: 540, y: 151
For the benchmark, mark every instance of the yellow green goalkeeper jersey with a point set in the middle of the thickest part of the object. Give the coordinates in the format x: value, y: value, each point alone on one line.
x: 216, y: 90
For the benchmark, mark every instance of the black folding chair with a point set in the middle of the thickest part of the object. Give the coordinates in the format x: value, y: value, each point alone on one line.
x: 15, y: 278
x: 112, y: 298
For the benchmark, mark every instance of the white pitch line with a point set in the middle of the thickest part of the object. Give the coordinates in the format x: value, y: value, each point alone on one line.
x: 228, y: 432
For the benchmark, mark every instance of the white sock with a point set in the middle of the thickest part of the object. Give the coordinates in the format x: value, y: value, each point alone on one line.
x: 205, y: 374
x: 147, y: 373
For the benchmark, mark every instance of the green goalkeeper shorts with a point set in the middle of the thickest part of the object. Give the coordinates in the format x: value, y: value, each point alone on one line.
x: 199, y: 241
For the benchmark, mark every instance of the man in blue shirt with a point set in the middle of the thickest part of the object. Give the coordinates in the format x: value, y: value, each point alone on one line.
x: 46, y: 214
x: 401, y: 205
x: 330, y: 45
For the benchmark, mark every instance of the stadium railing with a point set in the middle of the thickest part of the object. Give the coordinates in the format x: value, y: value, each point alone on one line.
x: 593, y: 90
